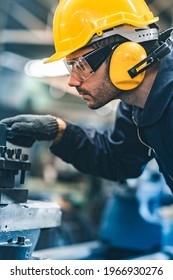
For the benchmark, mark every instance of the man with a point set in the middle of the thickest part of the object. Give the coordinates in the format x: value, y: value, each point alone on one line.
x: 113, y: 51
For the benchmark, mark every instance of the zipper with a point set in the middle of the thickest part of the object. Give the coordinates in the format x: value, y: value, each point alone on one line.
x: 150, y: 149
x: 170, y: 177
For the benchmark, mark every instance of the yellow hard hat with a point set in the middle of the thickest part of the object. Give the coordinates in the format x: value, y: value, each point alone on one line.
x: 77, y: 21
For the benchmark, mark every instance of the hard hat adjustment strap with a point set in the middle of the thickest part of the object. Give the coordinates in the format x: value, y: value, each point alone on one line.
x: 131, y: 33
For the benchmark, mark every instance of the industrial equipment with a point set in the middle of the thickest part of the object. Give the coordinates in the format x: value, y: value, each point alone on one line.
x: 20, y: 219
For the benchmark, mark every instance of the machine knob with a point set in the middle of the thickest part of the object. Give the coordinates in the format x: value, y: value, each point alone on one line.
x: 18, y: 153
x: 10, y: 153
x: 3, y: 150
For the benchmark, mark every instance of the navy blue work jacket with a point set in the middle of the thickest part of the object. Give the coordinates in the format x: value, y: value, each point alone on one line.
x: 138, y: 135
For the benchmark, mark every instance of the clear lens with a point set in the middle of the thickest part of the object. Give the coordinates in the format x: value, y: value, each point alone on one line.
x: 79, y: 69
x: 83, y: 67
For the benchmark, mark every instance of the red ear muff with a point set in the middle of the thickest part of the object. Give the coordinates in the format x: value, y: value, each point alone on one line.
x: 123, y: 58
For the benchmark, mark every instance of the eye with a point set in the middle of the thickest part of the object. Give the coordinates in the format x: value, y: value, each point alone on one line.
x: 76, y: 66
x: 81, y: 64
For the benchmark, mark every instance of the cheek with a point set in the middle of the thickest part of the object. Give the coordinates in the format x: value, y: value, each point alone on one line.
x: 100, y: 84
x: 102, y: 75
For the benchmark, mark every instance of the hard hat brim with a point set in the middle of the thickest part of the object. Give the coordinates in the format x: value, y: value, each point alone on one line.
x: 56, y: 56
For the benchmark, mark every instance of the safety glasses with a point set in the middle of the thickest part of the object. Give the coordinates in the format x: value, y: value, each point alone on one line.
x: 81, y: 68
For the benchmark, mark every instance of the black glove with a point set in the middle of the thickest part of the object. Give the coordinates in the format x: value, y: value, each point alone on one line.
x: 26, y: 129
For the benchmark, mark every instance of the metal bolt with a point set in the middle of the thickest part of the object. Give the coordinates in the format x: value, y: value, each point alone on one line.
x: 20, y: 240
x: 18, y: 153
x: 10, y: 240
x: 10, y: 153
x: 3, y: 150
x: 24, y: 157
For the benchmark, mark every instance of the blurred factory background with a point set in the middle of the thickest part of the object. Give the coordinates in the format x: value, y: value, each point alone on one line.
x: 133, y: 219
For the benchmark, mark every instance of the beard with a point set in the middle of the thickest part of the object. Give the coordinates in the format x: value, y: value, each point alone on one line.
x: 101, y: 94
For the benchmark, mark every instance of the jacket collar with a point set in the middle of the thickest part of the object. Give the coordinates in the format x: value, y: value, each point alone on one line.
x: 160, y: 95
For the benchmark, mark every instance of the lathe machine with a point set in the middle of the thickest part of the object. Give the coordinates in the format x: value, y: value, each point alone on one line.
x: 20, y: 219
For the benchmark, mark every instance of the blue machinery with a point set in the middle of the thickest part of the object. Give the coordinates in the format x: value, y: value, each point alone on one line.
x: 137, y: 223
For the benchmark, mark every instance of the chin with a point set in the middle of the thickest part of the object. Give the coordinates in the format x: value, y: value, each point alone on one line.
x: 97, y: 106
x: 93, y: 106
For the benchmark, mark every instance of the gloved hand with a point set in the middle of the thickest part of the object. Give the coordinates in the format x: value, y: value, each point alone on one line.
x: 29, y: 128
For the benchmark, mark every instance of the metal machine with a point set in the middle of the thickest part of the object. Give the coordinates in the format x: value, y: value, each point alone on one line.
x: 20, y: 219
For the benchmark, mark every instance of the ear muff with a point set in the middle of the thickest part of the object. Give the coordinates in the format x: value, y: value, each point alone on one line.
x: 123, y: 58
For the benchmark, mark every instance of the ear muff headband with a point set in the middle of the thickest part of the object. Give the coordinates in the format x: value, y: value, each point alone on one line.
x: 123, y: 58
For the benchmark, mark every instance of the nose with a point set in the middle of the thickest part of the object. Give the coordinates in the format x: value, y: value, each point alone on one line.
x: 72, y: 82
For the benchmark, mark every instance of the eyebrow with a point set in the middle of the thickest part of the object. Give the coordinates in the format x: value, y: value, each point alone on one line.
x: 76, y: 58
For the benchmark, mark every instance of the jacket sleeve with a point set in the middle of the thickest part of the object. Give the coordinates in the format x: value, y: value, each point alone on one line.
x: 114, y: 154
